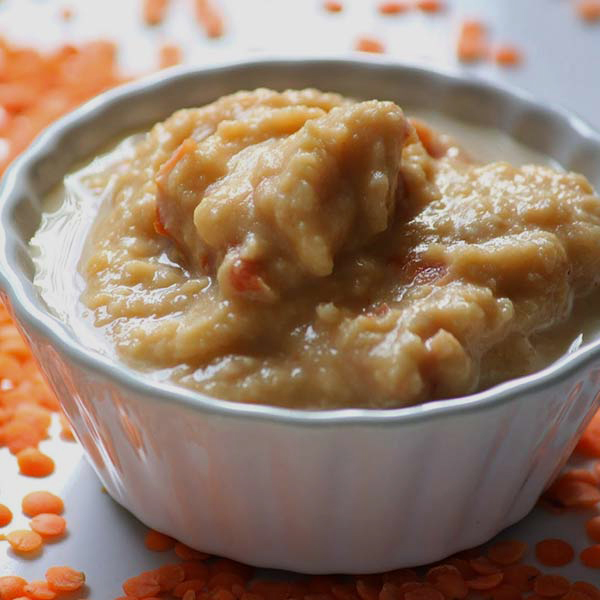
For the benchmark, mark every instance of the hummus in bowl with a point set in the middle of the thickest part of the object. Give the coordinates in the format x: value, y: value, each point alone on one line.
x: 308, y: 250
x: 282, y: 484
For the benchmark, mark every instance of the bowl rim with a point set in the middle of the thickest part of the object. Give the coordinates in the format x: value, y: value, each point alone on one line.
x: 15, y: 283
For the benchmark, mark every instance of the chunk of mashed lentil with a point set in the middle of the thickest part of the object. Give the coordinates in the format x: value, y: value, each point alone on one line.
x: 304, y: 249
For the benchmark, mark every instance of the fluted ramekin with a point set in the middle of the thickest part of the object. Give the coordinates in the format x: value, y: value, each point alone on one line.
x: 335, y: 491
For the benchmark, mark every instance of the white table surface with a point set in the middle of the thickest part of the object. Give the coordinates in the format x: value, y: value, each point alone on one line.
x: 562, y: 65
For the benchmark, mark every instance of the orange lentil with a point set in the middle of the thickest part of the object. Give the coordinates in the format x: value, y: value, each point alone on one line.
x: 48, y: 525
x: 575, y: 595
x: 36, y: 503
x: 448, y: 580
x: 169, y: 576
x: 389, y: 591
x: 169, y: 55
x: 344, y: 591
x: 196, y: 585
x: 209, y: 17
x: 319, y: 585
x: 485, y: 582
x: 158, y: 542
x: 589, y: 10
x: 223, y: 595
x: 153, y: 11
x: 195, y: 570
x: 225, y: 581
x: 400, y: 576
x: 225, y: 565
x: 368, y: 589
x: 508, y: 56
x: 463, y: 566
x: 521, y: 576
x: 333, y: 6
x: 66, y: 433
x: 589, y: 589
x: 472, y: 43
x: 5, y: 515
x: 570, y: 493
x: 507, y: 552
x: 24, y: 541
x: 550, y: 586
x: 18, y: 435
x: 270, y: 590
x: 424, y: 592
x: 505, y: 592
x: 369, y: 44
x: 11, y: 587
x: 186, y: 553
x: 590, y: 556
x: 392, y: 8
x: 250, y: 596
x: 592, y: 528
x: 430, y: 6
x: 579, y: 475
x: 34, y: 463
x: 143, y: 585
x: 65, y: 579
x: 483, y: 566
x: 66, y: 13
x: 40, y: 590
x: 554, y: 552
x: 589, y: 443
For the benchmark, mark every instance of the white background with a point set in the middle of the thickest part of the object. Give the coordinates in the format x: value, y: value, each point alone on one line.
x: 562, y: 65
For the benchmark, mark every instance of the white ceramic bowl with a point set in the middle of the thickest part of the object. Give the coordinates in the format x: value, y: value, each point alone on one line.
x: 336, y: 491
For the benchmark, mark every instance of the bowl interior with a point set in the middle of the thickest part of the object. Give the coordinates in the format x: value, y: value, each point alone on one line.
x: 88, y: 130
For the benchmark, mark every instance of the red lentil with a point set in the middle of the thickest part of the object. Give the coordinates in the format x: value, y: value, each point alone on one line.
x: 508, y: 56
x: 472, y: 41
x: 485, y: 582
x: 550, y: 586
x: 34, y: 463
x: 569, y: 493
x: 587, y: 588
x: 158, y: 542
x: 392, y: 8
x: 589, y: 10
x: 448, y: 580
x: 5, y: 515
x: 369, y: 44
x: 48, y: 525
x: 430, y: 6
x: 40, y: 590
x: 169, y: 55
x: 554, y: 552
x: 65, y: 579
x: 24, y: 541
x: 210, y: 18
x: 590, y: 557
x: 333, y: 6
x: 154, y: 11
x: 589, y: 443
x: 507, y: 552
x: 521, y: 576
x: 36, y: 503
x: 11, y: 587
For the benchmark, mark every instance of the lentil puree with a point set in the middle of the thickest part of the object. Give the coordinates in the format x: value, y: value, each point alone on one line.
x: 307, y: 250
